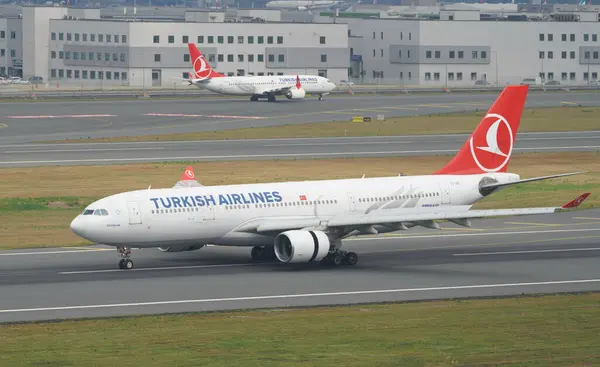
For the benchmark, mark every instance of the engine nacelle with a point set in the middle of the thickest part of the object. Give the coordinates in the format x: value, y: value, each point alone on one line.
x: 180, y: 248
x: 301, y: 246
x: 295, y: 93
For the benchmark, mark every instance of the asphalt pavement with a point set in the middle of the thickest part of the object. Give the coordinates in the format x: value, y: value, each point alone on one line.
x: 35, y: 121
x: 496, y: 257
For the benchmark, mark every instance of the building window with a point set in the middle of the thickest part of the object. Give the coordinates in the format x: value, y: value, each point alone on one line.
x: 461, y: 54
x: 53, y: 73
x: 61, y: 54
x: 572, y: 54
x: 261, y: 39
x: 67, y: 55
x: 123, y: 38
x: 261, y: 58
x: 185, y: 39
x: 122, y: 57
x: 108, y: 38
x: 473, y: 76
x: 240, y: 39
x: 437, y: 54
x: 280, y: 58
x: 53, y: 38
x: 550, y: 76
x: 271, y: 58
x: 586, y: 37
x: 156, y: 57
x: 123, y: 75
x: 541, y: 36
x: 563, y: 76
x: 229, y: 39
x: 564, y: 37
x: 156, y: 39
x: 100, y: 38
x: 92, y: 74
x: 428, y: 54
x: 594, y: 75
x: 436, y: 76
x: 230, y: 58
x: 451, y: 54
x: 572, y: 76
x: 594, y: 37
x: 381, y: 35
x: 61, y: 73
x: 269, y: 39
x: 186, y: 57
x: 483, y: 54
x: 69, y: 37
x: 564, y: 54
x: 83, y: 55
x: 84, y: 37
x: 381, y: 52
x: 220, y: 57
x: 250, y: 39
x: 427, y: 76
x: 550, y: 37
x: 322, y: 40
x: 240, y: 58
x: 323, y: 58
x: 53, y: 54
x: 595, y: 54
x: 586, y: 55
x: 91, y: 56
x: 550, y: 54
x: 75, y: 55
x: 77, y: 74
x: 279, y: 40
x: 572, y: 37
x: 93, y: 37
x: 69, y: 74
x: 450, y: 76
x: 171, y: 40
x: 220, y: 39
x: 200, y: 39
x: 541, y: 54
x: 100, y: 75
x: 61, y: 36
x: 211, y: 57
x: 251, y: 58
x: 458, y: 76
x: 585, y: 76
x: 211, y: 39
x: 474, y: 54
x: 99, y: 56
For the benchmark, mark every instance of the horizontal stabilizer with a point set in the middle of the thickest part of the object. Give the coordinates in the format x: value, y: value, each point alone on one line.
x: 489, y: 188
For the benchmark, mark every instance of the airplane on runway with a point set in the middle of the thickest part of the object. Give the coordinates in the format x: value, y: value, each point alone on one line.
x: 269, y: 86
x: 304, y: 222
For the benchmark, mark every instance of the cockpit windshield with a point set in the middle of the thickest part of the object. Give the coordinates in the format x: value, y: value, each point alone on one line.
x: 99, y: 212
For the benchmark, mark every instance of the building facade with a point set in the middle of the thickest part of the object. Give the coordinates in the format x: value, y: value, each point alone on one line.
x: 88, y: 51
x: 11, y: 49
x: 454, y: 52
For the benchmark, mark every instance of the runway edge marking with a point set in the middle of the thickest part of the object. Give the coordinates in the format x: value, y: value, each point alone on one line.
x: 301, y: 295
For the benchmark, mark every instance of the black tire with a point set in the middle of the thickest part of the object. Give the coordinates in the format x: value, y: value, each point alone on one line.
x: 337, y: 260
x: 351, y: 258
x: 122, y: 264
x: 128, y: 264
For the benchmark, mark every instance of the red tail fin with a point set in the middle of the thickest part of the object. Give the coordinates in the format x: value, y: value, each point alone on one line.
x: 202, y: 69
x: 188, y: 174
x: 490, y: 146
x: 576, y: 202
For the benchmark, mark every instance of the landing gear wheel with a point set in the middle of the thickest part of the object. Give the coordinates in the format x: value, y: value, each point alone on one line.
x: 320, y: 97
x: 254, y: 98
x: 271, y: 99
x: 125, y: 254
x: 122, y: 264
x: 337, y: 259
x: 127, y: 264
x: 351, y: 258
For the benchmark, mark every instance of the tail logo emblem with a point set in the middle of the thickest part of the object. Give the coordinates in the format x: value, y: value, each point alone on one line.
x: 189, y: 173
x: 498, y: 142
x: 201, y: 68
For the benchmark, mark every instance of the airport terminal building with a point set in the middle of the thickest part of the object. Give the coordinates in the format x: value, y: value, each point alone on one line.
x: 459, y: 46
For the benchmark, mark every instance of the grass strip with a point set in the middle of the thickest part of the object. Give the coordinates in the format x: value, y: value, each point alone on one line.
x: 43, y: 221
x: 554, y: 119
x: 528, y: 331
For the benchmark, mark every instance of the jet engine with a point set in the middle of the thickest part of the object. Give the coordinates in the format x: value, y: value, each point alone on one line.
x: 301, y: 246
x: 295, y: 93
x: 180, y: 248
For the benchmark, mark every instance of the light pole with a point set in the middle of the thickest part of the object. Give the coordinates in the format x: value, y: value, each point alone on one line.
x: 496, y: 62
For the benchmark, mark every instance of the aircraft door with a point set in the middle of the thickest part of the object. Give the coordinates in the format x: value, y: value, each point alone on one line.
x: 352, y: 202
x: 445, y: 192
x: 135, y: 217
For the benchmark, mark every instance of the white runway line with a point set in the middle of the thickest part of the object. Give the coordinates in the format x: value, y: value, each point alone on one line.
x: 303, y: 295
x: 527, y: 251
x: 53, y: 252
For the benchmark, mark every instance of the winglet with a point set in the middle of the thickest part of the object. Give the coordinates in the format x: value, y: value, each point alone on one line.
x: 188, y: 174
x: 576, y: 202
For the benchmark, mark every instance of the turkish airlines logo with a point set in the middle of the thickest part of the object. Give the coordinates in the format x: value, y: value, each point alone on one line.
x: 189, y: 173
x: 498, y: 143
x: 201, y: 68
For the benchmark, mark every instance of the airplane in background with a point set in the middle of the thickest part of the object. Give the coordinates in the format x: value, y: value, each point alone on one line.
x: 307, y: 4
x: 270, y: 86
x: 305, y: 222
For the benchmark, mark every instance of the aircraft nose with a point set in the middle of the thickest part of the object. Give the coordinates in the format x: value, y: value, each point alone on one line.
x: 77, y: 226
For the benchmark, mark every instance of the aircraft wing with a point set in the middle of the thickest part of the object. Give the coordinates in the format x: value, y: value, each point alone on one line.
x: 397, y: 218
x: 188, y: 179
x: 276, y: 91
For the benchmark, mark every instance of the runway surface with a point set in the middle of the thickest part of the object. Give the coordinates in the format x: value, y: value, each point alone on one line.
x: 34, y: 121
x: 18, y: 155
x: 534, y: 254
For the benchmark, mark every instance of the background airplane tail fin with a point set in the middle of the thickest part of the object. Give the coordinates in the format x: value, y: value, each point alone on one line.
x: 490, y: 146
x: 202, y: 69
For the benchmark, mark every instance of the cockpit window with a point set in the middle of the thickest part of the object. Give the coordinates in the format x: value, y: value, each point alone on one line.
x: 88, y: 212
x: 100, y: 212
x: 103, y: 211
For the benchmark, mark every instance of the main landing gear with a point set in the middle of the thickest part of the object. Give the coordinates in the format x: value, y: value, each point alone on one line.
x: 320, y: 97
x: 263, y: 253
x: 270, y: 98
x: 340, y: 257
x: 125, y: 254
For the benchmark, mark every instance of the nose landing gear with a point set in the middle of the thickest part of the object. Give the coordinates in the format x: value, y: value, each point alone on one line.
x: 125, y: 254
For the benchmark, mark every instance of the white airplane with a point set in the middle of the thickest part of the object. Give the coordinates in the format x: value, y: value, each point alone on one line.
x: 290, y: 86
x: 303, y: 222
x: 306, y: 4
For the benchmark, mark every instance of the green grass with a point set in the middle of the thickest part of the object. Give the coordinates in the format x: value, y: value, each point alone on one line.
x: 43, y: 220
x: 528, y: 331
x: 533, y: 120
